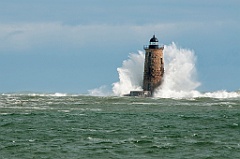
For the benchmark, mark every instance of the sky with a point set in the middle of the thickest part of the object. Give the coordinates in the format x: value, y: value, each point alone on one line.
x: 72, y: 46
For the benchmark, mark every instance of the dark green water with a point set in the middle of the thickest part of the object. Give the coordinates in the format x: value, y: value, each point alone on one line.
x: 49, y: 126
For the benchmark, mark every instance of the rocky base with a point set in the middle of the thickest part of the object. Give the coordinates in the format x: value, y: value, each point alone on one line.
x: 139, y: 94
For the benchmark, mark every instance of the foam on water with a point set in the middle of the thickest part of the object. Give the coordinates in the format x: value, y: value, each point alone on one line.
x: 221, y: 94
x: 52, y: 95
x: 101, y: 91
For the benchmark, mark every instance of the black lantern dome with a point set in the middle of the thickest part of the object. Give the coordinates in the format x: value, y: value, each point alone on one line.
x: 153, y: 43
x: 154, y: 39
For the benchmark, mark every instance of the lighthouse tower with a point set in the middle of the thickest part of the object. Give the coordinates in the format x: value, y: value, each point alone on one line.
x: 153, y: 69
x: 153, y: 66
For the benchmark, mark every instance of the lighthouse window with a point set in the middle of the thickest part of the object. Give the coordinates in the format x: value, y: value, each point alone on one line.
x: 154, y: 43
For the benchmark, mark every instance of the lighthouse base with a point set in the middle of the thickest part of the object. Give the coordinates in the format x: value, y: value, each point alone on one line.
x: 139, y: 94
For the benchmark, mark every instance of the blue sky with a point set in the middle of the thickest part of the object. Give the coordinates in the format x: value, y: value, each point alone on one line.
x: 74, y: 45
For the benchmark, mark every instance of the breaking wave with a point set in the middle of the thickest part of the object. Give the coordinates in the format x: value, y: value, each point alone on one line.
x: 180, y: 78
x: 130, y: 75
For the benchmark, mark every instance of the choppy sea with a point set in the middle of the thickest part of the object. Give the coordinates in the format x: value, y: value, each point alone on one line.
x: 77, y: 127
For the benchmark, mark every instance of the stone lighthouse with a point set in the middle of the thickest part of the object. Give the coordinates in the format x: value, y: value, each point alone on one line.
x: 153, y: 66
x: 153, y: 69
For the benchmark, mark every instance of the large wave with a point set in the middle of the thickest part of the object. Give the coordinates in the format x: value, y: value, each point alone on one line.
x: 130, y: 75
x: 180, y: 73
x: 180, y: 77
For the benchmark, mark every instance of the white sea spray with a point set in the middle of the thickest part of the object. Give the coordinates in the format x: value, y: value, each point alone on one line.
x: 180, y: 74
x: 180, y: 77
x: 130, y: 75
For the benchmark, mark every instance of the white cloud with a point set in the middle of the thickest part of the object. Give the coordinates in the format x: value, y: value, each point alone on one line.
x: 30, y: 35
x: 25, y: 36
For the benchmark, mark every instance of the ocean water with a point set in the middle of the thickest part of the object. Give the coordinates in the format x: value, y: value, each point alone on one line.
x: 78, y: 127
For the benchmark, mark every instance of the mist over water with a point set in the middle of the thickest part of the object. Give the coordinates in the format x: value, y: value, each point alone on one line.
x: 180, y: 77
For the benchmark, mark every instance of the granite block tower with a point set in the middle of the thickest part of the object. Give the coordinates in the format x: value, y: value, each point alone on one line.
x: 153, y: 69
x: 153, y: 66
